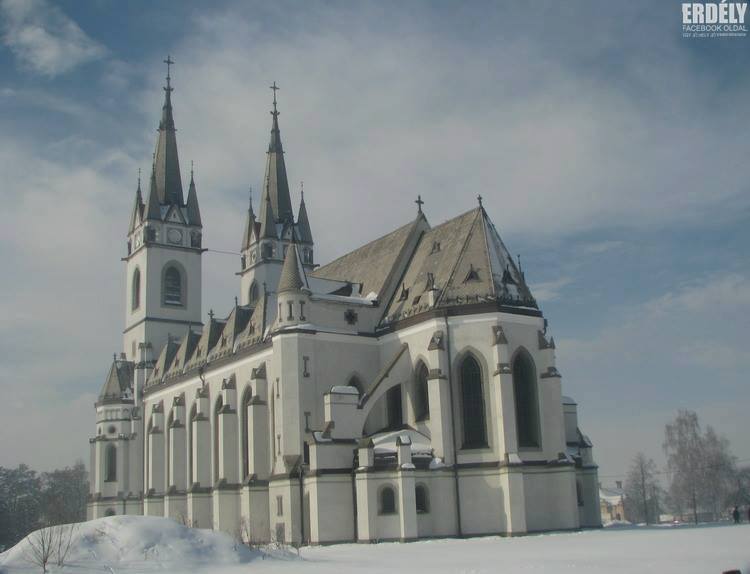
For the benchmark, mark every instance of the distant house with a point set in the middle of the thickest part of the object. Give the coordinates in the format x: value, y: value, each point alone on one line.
x: 612, y: 503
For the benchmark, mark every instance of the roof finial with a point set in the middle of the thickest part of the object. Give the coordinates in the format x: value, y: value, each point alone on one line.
x: 518, y: 256
x: 114, y: 357
x: 302, y: 190
x: 419, y: 203
x: 211, y: 314
x: 169, y: 61
x: 139, y: 178
x: 250, y: 195
x: 191, y: 169
x: 236, y: 302
x: 275, y: 88
x: 479, y: 199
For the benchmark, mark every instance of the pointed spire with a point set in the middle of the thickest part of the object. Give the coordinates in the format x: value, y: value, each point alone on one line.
x: 193, y: 211
x: 152, y: 210
x: 267, y: 223
x: 276, y: 181
x: 247, y: 237
x: 168, y: 180
x: 303, y: 224
x: 291, y: 279
x: 135, y: 216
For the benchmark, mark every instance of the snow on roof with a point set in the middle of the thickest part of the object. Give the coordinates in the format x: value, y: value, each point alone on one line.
x: 344, y: 390
x: 568, y: 400
x: 385, y: 442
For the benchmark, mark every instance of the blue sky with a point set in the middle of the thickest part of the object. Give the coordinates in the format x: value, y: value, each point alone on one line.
x: 611, y: 153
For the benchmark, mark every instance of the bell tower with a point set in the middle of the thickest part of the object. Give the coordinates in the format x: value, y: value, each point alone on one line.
x: 164, y: 242
x: 267, y: 237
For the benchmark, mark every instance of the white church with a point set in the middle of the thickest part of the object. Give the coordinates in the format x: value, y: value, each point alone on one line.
x: 405, y: 390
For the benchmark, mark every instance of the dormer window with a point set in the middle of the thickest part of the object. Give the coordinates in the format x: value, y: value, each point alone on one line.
x: 404, y: 293
x: 266, y: 250
x: 435, y: 247
x: 472, y: 275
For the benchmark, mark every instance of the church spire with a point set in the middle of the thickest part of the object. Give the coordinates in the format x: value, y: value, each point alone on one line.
x: 152, y: 209
x: 277, y: 185
x: 291, y: 278
x: 303, y: 223
x: 167, y: 165
x: 193, y: 211
x: 247, y: 237
x: 267, y: 223
x: 136, y: 215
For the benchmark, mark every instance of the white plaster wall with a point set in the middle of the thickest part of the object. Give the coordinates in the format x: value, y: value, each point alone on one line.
x: 551, y: 502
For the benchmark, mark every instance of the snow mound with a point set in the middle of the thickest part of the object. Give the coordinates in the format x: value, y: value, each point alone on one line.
x: 144, y: 542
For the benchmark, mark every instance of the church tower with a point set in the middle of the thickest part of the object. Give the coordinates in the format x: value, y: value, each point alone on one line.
x: 163, y: 265
x: 268, y: 235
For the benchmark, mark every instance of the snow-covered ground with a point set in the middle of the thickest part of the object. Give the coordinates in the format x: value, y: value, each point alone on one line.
x: 133, y: 545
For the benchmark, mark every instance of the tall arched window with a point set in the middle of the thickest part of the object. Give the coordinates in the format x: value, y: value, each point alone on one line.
x: 422, y: 498
x: 387, y: 501
x: 193, y: 412
x: 110, y: 463
x: 136, y: 290
x: 217, y: 409
x: 252, y: 295
x: 394, y: 408
x: 421, y: 393
x: 244, y: 429
x: 472, y: 404
x: 527, y: 404
x: 172, y: 286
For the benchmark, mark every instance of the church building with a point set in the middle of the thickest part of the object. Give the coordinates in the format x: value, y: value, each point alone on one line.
x: 405, y: 390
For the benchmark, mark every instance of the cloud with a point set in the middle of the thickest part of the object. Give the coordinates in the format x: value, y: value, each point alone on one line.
x: 44, y: 39
x: 549, y: 290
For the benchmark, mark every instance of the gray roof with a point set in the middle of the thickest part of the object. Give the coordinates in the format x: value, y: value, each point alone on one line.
x: 291, y: 277
x: 267, y: 222
x: 152, y: 209
x: 303, y: 223
x: 164, y: 362
x: 137, y: 212
x: 235, y: 324
x: 247, y: 235
x: 183, y: 354
x: 119, y: 384
x: 376, y: 264
x: 464, y: 261
x: 166, y: 162
x: 193, y: 211
x: 209, y: 338
x: 255, y: 329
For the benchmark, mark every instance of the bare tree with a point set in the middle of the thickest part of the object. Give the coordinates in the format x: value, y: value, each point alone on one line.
x: 63, y: 541
x: 641, y: 490
x: 40, y: 548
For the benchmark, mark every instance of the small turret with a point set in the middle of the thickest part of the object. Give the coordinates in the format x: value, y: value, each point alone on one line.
x: 303, y: 223
x: 193, y: 211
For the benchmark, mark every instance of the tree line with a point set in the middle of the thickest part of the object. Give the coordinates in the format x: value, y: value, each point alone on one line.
x: 703, y: 479
x: 30, y: 500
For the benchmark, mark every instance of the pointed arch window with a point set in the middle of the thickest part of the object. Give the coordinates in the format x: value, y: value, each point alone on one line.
x: 217, y: 411
x: 252, y: 295
x: 245, y: 429
x: 472, y: 404
x: 421, y: 393
x: 136, y: 290
x: 173, y: 292
x: 527, y: 403
x: 422, y: 499
x: 387, y: 501
x: 110, y: 463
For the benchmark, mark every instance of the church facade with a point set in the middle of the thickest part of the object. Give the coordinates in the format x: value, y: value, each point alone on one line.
x: 405, y: 390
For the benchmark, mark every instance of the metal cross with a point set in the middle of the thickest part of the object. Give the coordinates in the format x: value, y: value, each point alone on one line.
x: 479, y: 199
x: 251, y: 197
x: 274, y: 88
x: 419, y: 203
x: 302, y: 189
x: 169, y: 61
x: 211, y: 314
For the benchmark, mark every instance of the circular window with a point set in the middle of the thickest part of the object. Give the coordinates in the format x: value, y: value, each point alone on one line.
x: 112, y: 429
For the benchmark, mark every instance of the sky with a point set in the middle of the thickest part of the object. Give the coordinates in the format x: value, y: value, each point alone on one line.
x: 610, y: 151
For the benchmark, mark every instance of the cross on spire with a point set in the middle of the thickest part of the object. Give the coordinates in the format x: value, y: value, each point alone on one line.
x: 479, y: 199
x: 275, y: 88
x: 250, y: 195
x: 169, y: 62
x: 302, y: 190
x: 419, y: 203
x: 211, y: 314
x: 139, y: 177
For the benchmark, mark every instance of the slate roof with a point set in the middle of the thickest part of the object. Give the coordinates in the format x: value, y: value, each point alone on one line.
x: 118, y: 387
x: 183, y: 354
x: 193, y: 211
x: 166, y: 162
x: 235, y: 324
x: 163, y: 363
x: 291, y: 273
x: 255, y: 329
x: 303, y: 223
x: 275, y: 181
x: 374, y: 265
x: 464, y: 261
x: 208, y: 339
